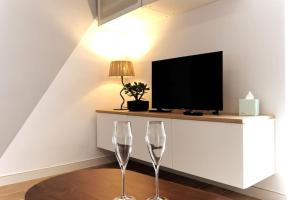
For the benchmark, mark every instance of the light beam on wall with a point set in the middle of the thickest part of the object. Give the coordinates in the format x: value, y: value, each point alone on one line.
x: 128, y: 37
x: 109, y: 44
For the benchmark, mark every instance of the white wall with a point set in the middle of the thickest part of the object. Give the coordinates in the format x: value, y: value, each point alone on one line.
x: 62, y: 127
x: 251, y: 38
x: 36, y: 38
x: 292, y: 42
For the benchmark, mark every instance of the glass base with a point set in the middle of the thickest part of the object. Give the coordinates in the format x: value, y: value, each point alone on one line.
x: 158, y: 198
x: 125, y: 198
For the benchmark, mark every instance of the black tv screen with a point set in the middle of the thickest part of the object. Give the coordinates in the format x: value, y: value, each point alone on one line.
x: 192, y: 82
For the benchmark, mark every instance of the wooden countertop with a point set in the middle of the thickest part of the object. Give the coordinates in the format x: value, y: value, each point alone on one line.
x: 225, y: 118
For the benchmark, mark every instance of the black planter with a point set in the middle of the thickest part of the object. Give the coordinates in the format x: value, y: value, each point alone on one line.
x: 137, y: 105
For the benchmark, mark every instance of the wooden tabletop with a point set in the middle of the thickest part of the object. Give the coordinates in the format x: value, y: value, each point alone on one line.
x: 105, y: 184
x: 177, y: 114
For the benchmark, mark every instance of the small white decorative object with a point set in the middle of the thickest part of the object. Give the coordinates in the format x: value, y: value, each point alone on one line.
x: 249, y: 105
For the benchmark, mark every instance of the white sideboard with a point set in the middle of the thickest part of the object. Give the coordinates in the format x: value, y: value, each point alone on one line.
x: 233, y: 150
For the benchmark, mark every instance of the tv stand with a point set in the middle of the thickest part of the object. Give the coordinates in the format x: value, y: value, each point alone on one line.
x: 230, y: 149
x: 193, y: 112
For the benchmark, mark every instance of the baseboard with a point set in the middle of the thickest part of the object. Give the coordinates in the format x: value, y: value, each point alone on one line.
x: 253, y: 191
x: 261, y: 193
x: 52, y: 171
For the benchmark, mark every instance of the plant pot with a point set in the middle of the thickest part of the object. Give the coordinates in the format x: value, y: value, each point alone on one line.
x: 137, y: 105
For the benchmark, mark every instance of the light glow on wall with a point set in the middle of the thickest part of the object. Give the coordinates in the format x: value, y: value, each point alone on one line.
x: 109, y: 44
x: 128, y: 37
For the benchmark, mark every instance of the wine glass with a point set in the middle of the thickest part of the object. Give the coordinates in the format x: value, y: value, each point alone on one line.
x: 122, y: 142
x: 156, y: 142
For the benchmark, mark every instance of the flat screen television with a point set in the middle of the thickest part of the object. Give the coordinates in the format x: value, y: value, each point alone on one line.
x: 191, y: 82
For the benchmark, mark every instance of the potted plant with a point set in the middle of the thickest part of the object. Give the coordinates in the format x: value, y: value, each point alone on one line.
x: 137, y: 91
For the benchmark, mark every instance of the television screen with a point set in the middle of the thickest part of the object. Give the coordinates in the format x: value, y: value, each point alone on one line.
x: 192, y: 82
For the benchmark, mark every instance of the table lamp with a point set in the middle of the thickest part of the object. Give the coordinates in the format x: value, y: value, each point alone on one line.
x: 121, y: 68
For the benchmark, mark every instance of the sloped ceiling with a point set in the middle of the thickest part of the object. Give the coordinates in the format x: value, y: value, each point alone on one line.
x: 36, y: 38
x: 174, y: 7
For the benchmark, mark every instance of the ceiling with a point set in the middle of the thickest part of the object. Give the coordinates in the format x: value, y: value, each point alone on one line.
x: 173, y: 7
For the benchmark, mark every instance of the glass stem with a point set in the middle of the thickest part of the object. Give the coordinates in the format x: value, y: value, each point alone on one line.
x: 123, y: 168
x: 156, y: 168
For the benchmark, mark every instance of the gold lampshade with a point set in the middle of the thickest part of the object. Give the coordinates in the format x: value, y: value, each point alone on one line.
x: 121, y: 68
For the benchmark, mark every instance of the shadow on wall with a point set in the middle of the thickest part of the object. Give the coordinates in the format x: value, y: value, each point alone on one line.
x: 93, y: 4
x: 39, y: 34
x: 66, y: 111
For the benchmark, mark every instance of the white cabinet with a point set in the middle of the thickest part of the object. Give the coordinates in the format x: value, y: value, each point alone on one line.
x: 111, y: 9
x: 233, y: 154
x: 233, y: 150
x: 105, y: 126
x: 140, y: 150
x: 208, y: 149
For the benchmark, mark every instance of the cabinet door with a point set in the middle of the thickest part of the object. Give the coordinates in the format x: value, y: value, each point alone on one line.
x: 111, y: 9
x: 140, y: 150
x: 105, y: 128
x: 209, y: 150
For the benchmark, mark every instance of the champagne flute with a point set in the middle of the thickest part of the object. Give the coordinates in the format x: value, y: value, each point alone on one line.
x: 156, y: 142
x: 122, y: 142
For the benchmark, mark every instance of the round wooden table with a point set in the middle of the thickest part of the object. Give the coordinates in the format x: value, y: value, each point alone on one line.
x: 105, y: 184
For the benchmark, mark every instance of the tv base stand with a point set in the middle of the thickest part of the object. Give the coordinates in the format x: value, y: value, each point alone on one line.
x: 216, y: 112
x: 160, y: 110
x: 193, y: 113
